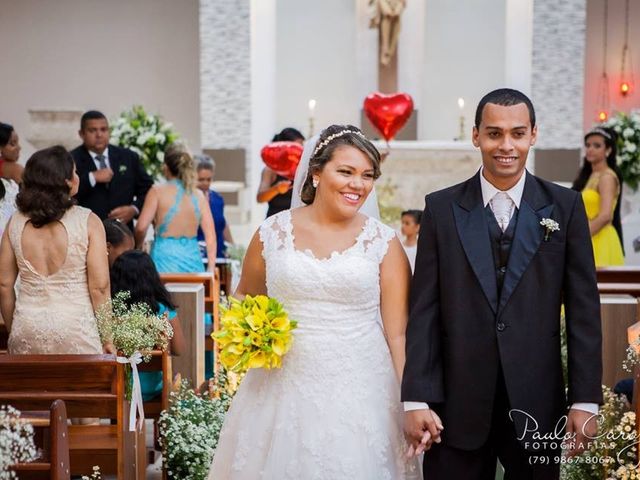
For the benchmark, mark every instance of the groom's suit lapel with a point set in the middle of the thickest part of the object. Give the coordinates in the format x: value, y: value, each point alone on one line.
x: 534, y: 206
x: 471, y: 223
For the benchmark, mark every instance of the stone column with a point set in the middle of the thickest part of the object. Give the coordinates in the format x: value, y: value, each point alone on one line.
x: 237, y: 57
x: 557, y: 82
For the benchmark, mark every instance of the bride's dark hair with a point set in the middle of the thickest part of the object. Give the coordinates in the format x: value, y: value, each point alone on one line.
x: 332, y: 138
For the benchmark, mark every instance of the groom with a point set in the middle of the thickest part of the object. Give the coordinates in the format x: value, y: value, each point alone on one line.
x: 483, y: 339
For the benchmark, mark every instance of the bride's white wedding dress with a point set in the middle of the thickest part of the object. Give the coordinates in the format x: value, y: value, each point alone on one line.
x: 333, y: 410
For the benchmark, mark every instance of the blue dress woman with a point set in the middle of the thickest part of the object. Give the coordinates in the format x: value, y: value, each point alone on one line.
x: 177, y: 209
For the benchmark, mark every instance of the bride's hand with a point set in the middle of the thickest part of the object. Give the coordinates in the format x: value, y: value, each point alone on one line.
x: 421, y: 429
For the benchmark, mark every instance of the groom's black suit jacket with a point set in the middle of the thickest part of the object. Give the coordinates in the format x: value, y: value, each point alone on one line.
x: 129, y: 185
x: 461, y: 333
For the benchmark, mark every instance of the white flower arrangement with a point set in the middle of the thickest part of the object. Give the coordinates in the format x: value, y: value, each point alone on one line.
x: 16, y: 441
x: 147, y: 135
x: 132, y: 329
x: 96, y: 475
x: 550, y: 226
x: 627, y: 126
x: 190, y: 428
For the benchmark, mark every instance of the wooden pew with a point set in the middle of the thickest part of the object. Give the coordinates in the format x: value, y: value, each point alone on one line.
x: 91, y: 386
x: 160, y: 361
x: 618, y: 313
x: 211, y: 285
x: 51, y: 428
x: 624, y: 274
x: 632, y: 289
x: 189, y: 298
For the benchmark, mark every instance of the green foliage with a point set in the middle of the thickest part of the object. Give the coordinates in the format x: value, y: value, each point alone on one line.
x: 147, y: 135
x: 389, y: 211
x: 133, y: 328
x: 628, y: 129
x: 190, y: 428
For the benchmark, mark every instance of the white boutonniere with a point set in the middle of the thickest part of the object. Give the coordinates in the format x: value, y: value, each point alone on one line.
x: 122, y: 169
x: 550, y: 226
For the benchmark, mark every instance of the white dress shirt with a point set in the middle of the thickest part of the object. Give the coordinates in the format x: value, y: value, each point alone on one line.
x: 515, y: 193
x: 92, y: 179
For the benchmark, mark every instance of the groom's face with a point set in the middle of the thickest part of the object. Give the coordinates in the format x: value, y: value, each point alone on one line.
x: 504, y: 137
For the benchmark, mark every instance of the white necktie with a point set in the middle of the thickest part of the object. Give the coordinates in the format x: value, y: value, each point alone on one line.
x: 502, y: 207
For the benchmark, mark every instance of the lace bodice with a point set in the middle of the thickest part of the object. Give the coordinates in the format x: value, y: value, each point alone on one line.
x: 54, y: 313
x: 333, y: 410
x: 308, y: 285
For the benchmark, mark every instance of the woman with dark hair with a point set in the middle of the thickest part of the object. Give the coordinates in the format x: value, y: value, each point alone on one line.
x: 600, y: 181
x: 59, y: 251
x: 334, y: 406
x: 119, y: 239
x: 134, y: 272
x: 177, y: 209
x: 276, y: 189
x: 10, y: 153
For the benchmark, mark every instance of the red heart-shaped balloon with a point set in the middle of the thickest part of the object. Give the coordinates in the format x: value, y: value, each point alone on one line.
x: 282, y: 157
x: 388, y: 113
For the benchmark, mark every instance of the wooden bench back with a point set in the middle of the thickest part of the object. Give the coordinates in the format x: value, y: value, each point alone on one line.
x: 90, y: 385
x: 54, y: 463
x: 625, y: 274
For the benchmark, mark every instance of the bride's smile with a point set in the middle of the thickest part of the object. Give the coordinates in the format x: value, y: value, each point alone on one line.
x: 346, y: 180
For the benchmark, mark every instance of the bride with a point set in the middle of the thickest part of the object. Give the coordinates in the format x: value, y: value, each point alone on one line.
x: 333, y: 410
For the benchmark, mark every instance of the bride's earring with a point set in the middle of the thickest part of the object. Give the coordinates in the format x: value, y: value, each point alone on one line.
x: 315, y: 183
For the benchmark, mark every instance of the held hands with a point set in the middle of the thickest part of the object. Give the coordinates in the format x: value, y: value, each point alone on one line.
x: 421, y: 429
x: 109, y: 348
x: 104, y: 175
x: 123, y: 214
x: 583, y: 425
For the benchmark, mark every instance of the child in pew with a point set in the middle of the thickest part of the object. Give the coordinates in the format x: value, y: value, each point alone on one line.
x: 119, y: 239
x: 410, y: 230
x: 135, y: 272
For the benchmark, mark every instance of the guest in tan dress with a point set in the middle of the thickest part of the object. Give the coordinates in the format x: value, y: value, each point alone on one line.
x: 59, y: 252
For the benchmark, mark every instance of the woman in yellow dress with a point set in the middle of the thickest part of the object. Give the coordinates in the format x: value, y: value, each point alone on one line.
x: 599, y: 181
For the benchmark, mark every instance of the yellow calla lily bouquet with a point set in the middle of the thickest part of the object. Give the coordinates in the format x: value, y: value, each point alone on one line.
x: 254, y: 333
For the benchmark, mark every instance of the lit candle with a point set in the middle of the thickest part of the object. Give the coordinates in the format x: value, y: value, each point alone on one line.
x: 312, y: 107
x: 461, y: 103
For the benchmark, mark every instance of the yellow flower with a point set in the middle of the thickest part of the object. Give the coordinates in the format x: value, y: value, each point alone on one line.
x: 254, y: 333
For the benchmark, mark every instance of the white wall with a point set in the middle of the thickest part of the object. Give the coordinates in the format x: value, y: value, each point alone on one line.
x: 316, y: 58
x: 450, y: 50
x: 84, y: 54
x: 464, y: 57
x: 594, y: 56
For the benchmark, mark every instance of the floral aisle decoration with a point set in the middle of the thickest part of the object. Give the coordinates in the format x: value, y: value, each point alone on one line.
x: 614, y: 454
x: 627, y: 126
x: 95, y: 475
x: 147, y: 135
x: 255, y: 333
x: 16, y: 441
x: 135, y: 331
x: 190, y: 428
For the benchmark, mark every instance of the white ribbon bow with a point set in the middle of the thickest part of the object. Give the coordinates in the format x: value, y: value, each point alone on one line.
x: 136, y: 394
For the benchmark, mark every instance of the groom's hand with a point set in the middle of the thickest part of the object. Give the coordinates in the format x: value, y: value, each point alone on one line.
x: 421, y: 429
x: 584, y: 427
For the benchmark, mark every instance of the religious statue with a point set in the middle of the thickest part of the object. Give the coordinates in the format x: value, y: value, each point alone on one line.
x: 386, y: 17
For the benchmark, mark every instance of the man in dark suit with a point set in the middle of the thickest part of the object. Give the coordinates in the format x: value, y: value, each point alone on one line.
x: 113, y: 182
x: 497, y: 256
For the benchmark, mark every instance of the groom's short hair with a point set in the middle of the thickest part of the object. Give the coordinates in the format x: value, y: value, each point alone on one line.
x: 506, y: 97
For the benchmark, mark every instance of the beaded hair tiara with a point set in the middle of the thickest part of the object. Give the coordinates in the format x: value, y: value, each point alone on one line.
x: 330, y: 138
x: 600, y: 131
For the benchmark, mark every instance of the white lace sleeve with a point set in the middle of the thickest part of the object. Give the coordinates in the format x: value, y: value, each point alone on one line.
x: 377, y: 238
x: 274, y: 233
